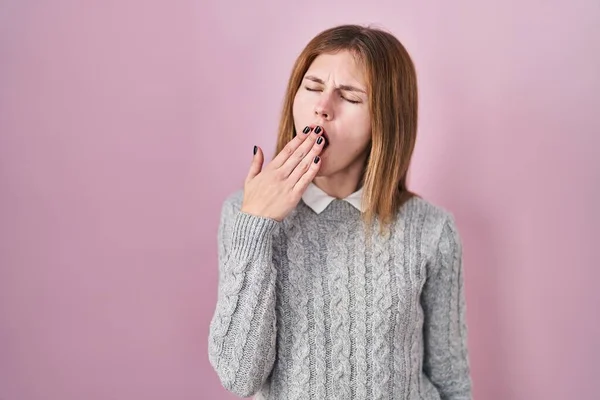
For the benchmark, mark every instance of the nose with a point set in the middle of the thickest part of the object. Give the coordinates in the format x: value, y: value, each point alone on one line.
x: 323, y: 108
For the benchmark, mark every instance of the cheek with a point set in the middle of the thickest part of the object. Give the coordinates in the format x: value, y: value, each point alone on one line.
x: 301, y: 105
x: 359, y: 124
x: 295, y: 107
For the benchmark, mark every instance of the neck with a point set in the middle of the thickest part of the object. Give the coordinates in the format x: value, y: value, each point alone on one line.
x: 343, y: 183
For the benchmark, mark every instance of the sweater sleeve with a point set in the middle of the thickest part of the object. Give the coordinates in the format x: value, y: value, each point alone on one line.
x: 243, y: 328
x: 446, y: 361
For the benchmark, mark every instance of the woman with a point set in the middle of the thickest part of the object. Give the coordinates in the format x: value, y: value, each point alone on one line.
x: 336, y: 281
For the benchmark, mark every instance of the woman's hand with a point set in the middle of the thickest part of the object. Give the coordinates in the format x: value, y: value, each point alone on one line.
x: 273, y: 192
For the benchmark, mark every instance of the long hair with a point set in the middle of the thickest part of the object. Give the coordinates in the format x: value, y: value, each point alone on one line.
x: 392, y: 88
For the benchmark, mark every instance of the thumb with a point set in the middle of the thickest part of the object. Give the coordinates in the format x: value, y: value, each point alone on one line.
x: 257, y: 162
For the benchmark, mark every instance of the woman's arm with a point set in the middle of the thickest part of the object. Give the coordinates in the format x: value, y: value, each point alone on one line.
x: 243, y: 328
x: 446, y: 360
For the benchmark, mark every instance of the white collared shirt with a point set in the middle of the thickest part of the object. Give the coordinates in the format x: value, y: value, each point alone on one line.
x: 318, y: 200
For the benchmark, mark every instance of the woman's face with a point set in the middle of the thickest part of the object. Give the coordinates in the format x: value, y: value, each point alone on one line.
x: 333, y: 96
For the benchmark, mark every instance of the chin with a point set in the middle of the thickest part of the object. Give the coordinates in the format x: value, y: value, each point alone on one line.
x: 324, y: 170
x: 329, y: 166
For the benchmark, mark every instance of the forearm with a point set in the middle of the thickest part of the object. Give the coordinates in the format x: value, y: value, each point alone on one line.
x: 446, y: 356
x: 243, y: 328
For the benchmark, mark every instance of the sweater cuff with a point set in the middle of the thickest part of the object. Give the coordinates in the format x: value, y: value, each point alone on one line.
x: 251, y: 236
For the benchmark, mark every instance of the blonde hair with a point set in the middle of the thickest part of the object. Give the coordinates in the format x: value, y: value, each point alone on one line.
x: 392, y: 87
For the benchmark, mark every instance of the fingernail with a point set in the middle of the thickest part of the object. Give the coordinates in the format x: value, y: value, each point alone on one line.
x: 317, y: 159
x: 306, y: 130
x: 255, y: 150
x: 318, y: 129
x: 320, y: 140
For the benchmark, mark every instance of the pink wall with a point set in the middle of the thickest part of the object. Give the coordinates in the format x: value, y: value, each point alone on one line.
x: 124, y: 124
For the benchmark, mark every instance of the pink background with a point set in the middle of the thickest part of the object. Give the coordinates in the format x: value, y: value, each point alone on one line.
x: 124, y: 124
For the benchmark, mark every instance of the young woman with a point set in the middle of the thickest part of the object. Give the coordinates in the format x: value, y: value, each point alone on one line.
x: 336, y: 281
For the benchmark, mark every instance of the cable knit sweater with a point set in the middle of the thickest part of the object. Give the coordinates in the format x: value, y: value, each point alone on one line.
x: 308, y: 308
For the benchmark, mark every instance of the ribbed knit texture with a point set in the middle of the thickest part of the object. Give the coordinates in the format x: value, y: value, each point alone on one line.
x: 308, y: 308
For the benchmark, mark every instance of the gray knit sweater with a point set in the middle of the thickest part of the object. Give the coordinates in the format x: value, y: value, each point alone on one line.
x: 309, y: 309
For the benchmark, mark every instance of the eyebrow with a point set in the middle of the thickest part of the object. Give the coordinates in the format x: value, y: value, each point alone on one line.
x: 346, y: 88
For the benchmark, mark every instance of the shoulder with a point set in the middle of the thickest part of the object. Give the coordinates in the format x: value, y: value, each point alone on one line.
x: 420, y: 210
x: 433, y: 224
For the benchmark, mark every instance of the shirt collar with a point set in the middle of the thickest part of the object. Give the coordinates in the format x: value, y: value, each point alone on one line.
x: 318, y: 200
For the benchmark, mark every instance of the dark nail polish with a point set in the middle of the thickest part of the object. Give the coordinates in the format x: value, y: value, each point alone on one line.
x: 320, y: 140
x: 255, y: 150
x: 317, y: 158
x: 306, y: 130
x: 318, y: 129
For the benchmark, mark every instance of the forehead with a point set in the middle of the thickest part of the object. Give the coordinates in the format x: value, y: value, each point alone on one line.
x: 342, y: 67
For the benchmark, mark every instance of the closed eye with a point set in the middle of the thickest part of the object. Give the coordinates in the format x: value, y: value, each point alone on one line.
x: 319, y: 90
x: 350, y: 101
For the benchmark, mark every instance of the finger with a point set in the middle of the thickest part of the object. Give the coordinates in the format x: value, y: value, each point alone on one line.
x: 290, y: 148
x: 257, y: 162
x: 300, y: 187
x: 295, y: 159
x: 301, y: 167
